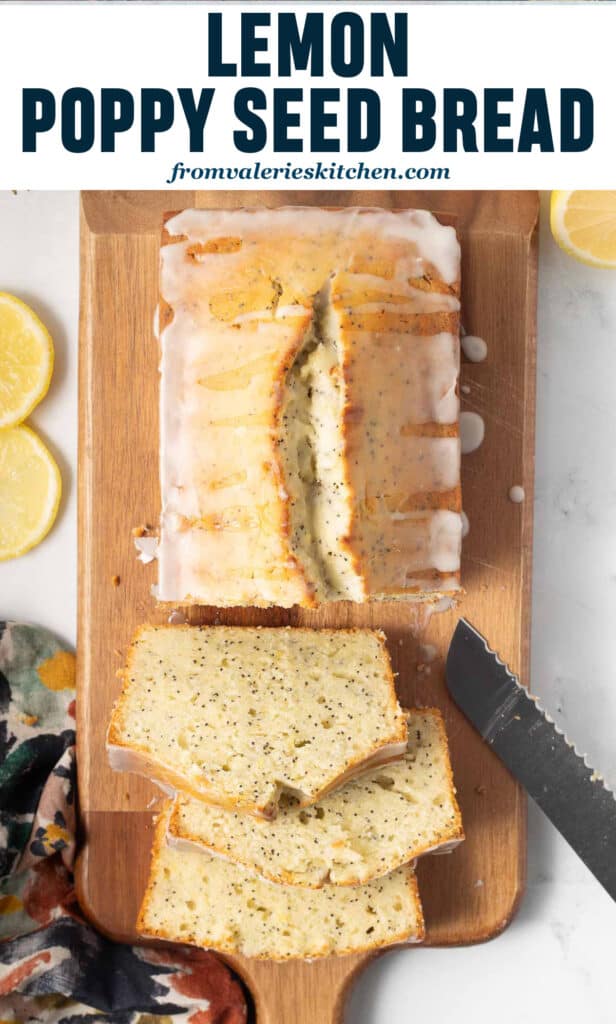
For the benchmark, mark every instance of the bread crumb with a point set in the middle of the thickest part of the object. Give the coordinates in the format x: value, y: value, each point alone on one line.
x: 115, y: 581
x: 141, y: 531
x: 480, y: 790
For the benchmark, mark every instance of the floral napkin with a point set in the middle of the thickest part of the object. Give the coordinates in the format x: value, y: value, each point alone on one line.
x: 54, y: 967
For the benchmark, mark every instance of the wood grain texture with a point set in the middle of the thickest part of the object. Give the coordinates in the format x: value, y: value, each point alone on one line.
x: 470, y: 895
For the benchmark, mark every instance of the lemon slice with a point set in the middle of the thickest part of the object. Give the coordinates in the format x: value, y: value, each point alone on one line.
x: 584, y: 225
x: 26, y: 360
x: 30, y: 488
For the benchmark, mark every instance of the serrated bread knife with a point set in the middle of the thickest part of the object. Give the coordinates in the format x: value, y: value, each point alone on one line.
x: 568, y: 791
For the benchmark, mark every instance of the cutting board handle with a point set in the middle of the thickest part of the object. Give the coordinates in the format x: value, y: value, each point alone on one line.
x: 300, y: 993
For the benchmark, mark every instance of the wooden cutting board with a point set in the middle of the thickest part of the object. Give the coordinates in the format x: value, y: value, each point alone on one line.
x: 470, y: 895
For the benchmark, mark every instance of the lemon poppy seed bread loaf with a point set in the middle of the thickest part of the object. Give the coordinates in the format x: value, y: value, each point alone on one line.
x: 309, y: 407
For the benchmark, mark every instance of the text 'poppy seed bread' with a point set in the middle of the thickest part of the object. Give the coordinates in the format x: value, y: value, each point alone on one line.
x: 237, y: 716
x: 310, y: 444
x: 195, y: 898
x: 363, y: 830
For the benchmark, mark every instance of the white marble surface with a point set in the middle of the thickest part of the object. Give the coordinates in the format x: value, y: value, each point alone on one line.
x: 557, y: 958
x: 39, y: 262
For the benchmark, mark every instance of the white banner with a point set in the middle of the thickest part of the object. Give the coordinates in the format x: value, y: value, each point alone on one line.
x: 305, y: 95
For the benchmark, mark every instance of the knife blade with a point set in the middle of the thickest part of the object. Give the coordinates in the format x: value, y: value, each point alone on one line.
x: 572, y: 795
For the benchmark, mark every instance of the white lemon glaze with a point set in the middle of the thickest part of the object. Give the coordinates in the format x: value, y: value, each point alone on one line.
x: 243, y: 288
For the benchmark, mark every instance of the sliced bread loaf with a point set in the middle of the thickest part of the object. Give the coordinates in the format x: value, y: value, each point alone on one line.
x: 206, y: 901
x: 365, y: 829
x: 237, y: 716
x: 309, y: 441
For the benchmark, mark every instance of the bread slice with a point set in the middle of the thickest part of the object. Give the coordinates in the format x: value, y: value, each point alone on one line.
x: 309, y: 407
x: 236, y: 716
x: 363, y: 830
x: 206, y: 901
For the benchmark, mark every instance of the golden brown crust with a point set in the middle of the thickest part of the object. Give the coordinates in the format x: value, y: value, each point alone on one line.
x: 160, y: 832
x: 293, y: 577
x: 437, y: 716
x: 395, y: 491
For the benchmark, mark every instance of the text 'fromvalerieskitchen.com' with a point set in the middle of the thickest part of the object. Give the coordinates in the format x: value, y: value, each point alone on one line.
x: 319, y: 171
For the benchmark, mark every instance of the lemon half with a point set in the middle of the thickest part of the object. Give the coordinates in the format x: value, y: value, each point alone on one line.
x: 584, y: 225
x: 30, y: 489
x: 26, y: 360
